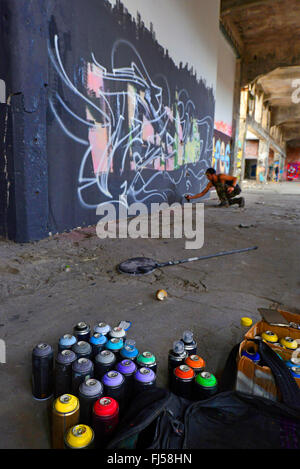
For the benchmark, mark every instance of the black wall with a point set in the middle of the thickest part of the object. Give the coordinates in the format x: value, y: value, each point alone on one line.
x: 60, y: 121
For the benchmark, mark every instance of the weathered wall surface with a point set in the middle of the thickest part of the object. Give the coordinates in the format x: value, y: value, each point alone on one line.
x: 224, y: 105
x: 115, y: 111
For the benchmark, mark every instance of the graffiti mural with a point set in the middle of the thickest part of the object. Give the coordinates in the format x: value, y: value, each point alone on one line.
x: 221, y: 152
x: 293, y: 171
x: 141, y: 127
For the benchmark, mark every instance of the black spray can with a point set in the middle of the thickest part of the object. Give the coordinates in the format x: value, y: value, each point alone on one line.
x: 82, y: 349
x: 176, y: 357
x: 144, y: 379
x: 114, y: 386
x: 63, y: 372
x: 42, y: 371
x: 205, y: 386
x: 89, y: 391
x: 183, y: 381
x: 127, y: 368
x: 82, y: 331
x: 97, y: 342
x: 190, y: 345
x: 82, y: 369
x: 66, y: 342
x: 104, y: 362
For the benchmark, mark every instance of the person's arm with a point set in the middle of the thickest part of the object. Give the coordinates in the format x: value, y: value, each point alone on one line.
x: 226, y: 177
x: 201, y: 194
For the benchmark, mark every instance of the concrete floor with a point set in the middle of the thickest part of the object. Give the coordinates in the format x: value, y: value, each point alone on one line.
x: 40, y: 301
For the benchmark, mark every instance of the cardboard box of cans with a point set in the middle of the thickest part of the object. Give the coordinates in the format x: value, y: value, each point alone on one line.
x: 252, y: 376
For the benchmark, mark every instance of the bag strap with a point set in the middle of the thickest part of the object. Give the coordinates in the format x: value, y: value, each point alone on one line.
x: 284, y: 380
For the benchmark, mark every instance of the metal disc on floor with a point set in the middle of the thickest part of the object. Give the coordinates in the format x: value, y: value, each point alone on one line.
x: 138, y: 266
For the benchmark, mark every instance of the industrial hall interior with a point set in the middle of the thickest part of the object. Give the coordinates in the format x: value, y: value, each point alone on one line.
x: 149, y: 227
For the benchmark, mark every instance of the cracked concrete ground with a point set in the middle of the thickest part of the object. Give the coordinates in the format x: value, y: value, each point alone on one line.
x: 40, y: 299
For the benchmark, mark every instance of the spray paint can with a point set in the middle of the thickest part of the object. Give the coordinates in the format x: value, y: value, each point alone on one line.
x: 117, y: 332
x: 82, y: 369
x: 196, y: 363
x: 127, y: 368
x: 182, y: 382
x: 104, y: 362
x: 129, y: 350
x: 269, y: 337
x: 65, y: 414
x: 97, y: 342
x: 294, y: 361
x: 190, y: 345
x: 115, y: 345
x: 82, y: 349
x: 295, y: 370
x: 114, y: 386
x: 89, y: 391
x: 148, y: 360
x: 105, y: 420
x: 176, y: 357
x: 205, y: 386
x: 66, y: 342
x: 289, y: 343
x: 144, y: 379
x: 79, y: 437
x: 252, y: 355
x: 63, y: 372
x: 82, y: 331
x: 42, y: 371
x: 102, y: 328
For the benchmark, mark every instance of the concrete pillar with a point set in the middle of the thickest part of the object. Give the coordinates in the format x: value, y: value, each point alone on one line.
x: 262, y: 161
x: 236, y: 117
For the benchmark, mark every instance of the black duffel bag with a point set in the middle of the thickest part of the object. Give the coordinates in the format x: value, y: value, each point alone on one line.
x: 158, y: 419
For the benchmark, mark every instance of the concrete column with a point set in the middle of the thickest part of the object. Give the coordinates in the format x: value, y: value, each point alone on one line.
x: 236, y: 117
x: 262, y: 161
x: 238, y: 169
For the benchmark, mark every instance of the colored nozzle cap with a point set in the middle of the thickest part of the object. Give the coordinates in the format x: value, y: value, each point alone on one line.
x: 187, y: 337
x: 146, y: 358
x: 105, y: 407
x: 246, y: 322
x: 129, y: 344
x: 114, y: 344
x: 98, y: 339
x: 289, y: 343
x: 79, y: 436
x: 194, y: 361
x: 66, y: 403
x: 269, y: 336
x: 184, y: 372
x: 117, y: 332
x: 178, y: 346
x: 206, y: 379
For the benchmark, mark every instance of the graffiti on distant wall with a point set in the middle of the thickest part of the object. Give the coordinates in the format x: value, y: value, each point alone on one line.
x: 221, y: 152
x: 224, y: 128
x: 293, y: 171
x: 147, y: 137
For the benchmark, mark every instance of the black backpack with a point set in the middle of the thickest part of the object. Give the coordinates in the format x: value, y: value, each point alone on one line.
x: 158, y: 419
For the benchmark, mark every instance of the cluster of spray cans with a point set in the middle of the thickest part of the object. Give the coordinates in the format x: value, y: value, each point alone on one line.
x: 94, y: 377
x: 187, y: 374
x: 287, y: 343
